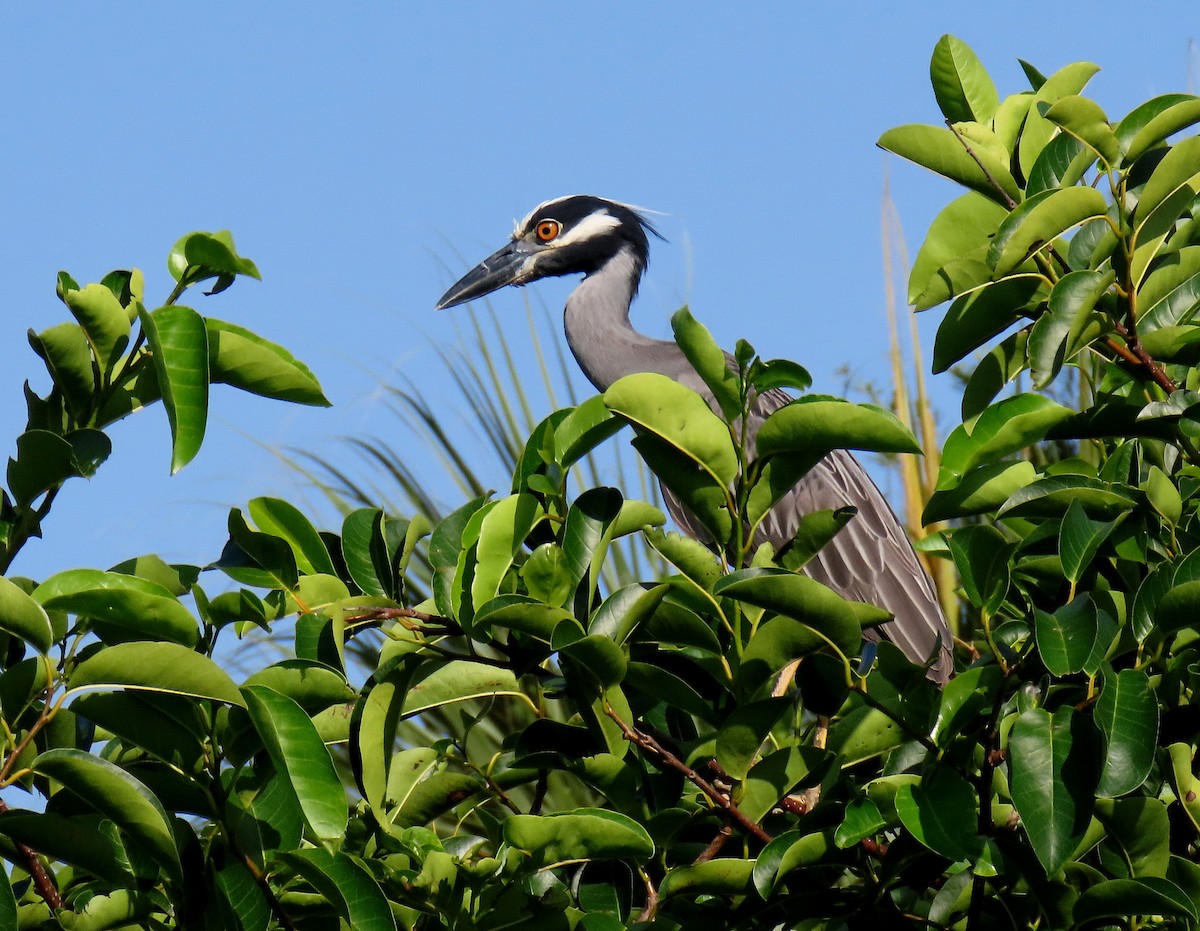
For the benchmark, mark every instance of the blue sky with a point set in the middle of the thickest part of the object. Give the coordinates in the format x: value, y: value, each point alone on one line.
x: 364, y: 154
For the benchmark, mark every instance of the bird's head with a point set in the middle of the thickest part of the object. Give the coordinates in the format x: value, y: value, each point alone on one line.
x: 564, y: 236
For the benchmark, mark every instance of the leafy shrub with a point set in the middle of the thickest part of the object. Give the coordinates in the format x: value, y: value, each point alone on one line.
x: 705, y: 747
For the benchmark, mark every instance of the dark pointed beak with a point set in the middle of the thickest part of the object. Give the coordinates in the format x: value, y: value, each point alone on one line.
x: 504, y: 267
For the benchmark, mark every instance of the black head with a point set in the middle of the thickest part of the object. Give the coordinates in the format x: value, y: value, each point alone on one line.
x: 567, y: 235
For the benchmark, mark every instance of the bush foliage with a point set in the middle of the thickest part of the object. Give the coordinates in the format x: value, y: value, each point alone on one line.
x: 713, y: 745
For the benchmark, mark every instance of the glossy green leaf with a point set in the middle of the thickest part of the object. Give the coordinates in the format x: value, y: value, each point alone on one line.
x: 1065, y: 637
x: 583, y: 429
x: 625, y: 610
x: 295, y: 748
x: 118, y: 796
x: 964, y: 698
x: 365, y: 551
x: 259, y: 559
x: 518, y: 612
x: 1050, y: 497
x: 741, y: 735
x: 43, y: 460
x: 1054, y: 771
x: 1041, y: 220
x: 1002, y: 364
x: 942, y: 152
x: 779, y: 773
x: 1086, y: 121
x: 281, y: 519
x: 1068, y: 325
x: 1079, y: 540
x: 702, y: 496
x: 586, y: 537
x: 1140, y: 828
x: 144, y: 608
x: 798, y: 597
x: 178, y: 343
x: 818, y: 424
x: 1039, y: 131
x: 197, y: 256
x: 963, y: 89
x: 941, y: 812
x: 76, y: 839
x: 707, y: 358
x: 244, y: 360
x: 1002, y: 429
x: 1148, y: 896
x: 502, y: 534
x: 1061, y: 164
x: 981, y: 555
x: 963, y: 227
x: 814, y: 530
x: 582, y: 834
x: 976, y: 318
x: 22, y: 616
x: 691, y: 557
x: 1170, y: 294
x: 68, y: 357
x: 677, y: 415
x: 455, y: 681
x: 780, y: 373
x: 1127, y: 715
x: 726, y: 876
x: 982, y: 490
x: 862, y: 819
x: 1153, y: 121
x: 1179, y: 168
x: 155, y: 667
x: 104, y: 322
x: 347, y: 885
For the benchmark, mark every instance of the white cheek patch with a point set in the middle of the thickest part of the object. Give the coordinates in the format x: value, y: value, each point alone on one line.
x: 589, y: 227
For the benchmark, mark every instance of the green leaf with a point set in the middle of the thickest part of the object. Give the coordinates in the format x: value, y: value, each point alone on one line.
x: 1086, y: 121
x: 155, y: 667
x: 1170, y: 294
x: 518, y: 612
x: 1050, y: 497
x: 777, y: 774
x: 691, y: 557
x: 68, y: 357
x: 797, y: 597
x: 941, y: 813
x: 197, y: 256
x: 942, y: 152
x: 43, y: 460
x: 1127, y: 715
x: 1150, y: 123
x: 1065, y: 637
x: 259, y: 559
x: 625, y: 610
x: 974, y: 319
x: 582, y: 834
x: 244, y: 360
x: 23, y: 617
x: 178, y: 344
x: 345, y: 884
x: 1068, y: 325
x: 964, y: 227
x: 1150, y: 896
x: 118, y: 796
x: 964, y: 698
x: 1179, y: 168
x: 779, y: 373
x: 862, y: 820
x: 586, y: 536
x: 963, y: 89
x: 365, y: 551
x: 741, y: 735
x: 1079, y: 540
x: 455, y: 681
x: 1039, y: 131
x: 104, y: 322
x: 1006, y: 361
x: 1002, y: 429
x: 1062, y: 163
x: 79, y: 839
x: 281, y: 519
x: 145, y: 608
x: 295, y: 748
x: 817, y: 424
x: 982, y: 490
x: 708, y: 359
x: 502, y: 534
x: 726, y: 876
x: 677, y: 415
x: 981, y: 555
x: 1053, y: 774
x: 583, y: 429
x: 1039, y: 221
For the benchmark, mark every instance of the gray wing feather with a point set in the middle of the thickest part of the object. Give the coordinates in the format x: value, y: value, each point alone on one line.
x: 871, y: 559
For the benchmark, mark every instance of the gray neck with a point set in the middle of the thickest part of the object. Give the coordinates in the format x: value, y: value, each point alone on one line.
x: 596, y: 319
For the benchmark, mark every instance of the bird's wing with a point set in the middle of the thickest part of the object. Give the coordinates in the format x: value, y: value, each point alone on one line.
x: 871, y: 559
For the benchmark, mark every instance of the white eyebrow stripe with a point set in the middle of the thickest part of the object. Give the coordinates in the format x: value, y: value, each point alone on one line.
x: 592, y: 225
x: 520, y: 227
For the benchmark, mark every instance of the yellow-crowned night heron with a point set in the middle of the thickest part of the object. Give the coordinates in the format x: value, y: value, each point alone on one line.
x: 871, y: 559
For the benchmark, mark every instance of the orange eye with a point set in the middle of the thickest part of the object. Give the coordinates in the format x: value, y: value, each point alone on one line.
x: 546, y: 230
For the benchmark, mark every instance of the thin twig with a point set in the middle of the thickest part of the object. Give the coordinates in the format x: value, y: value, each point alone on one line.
x: 42, y: 880
x: 1008, y: 201
x: 717, y: 842
x: 646, y: 742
